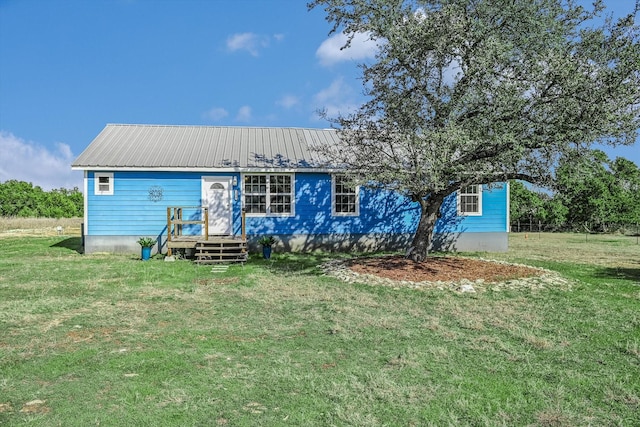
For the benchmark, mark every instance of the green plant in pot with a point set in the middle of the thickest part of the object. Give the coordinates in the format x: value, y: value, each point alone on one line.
x: 146, y: 243
x: 267, y: 242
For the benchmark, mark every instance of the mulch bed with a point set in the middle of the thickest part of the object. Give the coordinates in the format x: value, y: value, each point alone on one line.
x: 439, y: 268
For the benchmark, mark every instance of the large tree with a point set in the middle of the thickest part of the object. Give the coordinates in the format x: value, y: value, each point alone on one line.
x: 598, y: 191
x: 481, y: 91
x: 528, y: 205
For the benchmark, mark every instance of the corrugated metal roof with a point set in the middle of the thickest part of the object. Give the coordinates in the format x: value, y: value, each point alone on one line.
x: 169, y: 146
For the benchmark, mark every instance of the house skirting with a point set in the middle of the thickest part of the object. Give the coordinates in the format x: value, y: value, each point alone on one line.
x: 113, y: 244
x: 460, y: 242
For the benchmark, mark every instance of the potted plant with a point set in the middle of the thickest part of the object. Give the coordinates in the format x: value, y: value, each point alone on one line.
x: 266, y: 242
x: 147, y: 243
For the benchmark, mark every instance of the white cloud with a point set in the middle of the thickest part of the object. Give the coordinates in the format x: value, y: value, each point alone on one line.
x: 244, y: 114
x: 216, y: 114
x: 330, y: 51
x: 288, y: 101
x: 251, y: 42
x: 27, y: 161
x: 338, y: 98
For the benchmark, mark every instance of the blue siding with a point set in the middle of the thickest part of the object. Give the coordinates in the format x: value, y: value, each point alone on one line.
x: 131, y: 211
x: 380, y: 212
x: 493, y: 218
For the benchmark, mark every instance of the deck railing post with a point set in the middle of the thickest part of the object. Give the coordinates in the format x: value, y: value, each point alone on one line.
x: 206, y: 223
x: 179, y: 218
x: 243, y: 224
x: 168, y: 231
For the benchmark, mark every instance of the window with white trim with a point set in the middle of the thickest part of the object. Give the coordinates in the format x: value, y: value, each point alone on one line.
x: 270, y: 194
x: 345, y: 200
x: 103, y: 183
x: 470, y: 200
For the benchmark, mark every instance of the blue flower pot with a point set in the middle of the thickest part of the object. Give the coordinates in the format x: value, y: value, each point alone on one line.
x: 266, y: 252
x: 146, y: 253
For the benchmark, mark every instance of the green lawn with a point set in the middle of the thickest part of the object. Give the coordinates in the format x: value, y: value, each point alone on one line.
x: 111, y: 340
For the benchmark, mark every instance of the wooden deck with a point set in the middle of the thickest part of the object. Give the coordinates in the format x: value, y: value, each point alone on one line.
x: 209, y: 249
x: 190, y: 242
x: 214, y: 250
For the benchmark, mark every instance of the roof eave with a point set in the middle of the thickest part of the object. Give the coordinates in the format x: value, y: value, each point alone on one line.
x: 206, y: 170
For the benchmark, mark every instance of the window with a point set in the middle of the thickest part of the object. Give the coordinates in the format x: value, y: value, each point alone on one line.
x: 268, y: 194
x: 345, y: 197
x: 470, y: 200
x: 255, y: 193
x: 103, y: 184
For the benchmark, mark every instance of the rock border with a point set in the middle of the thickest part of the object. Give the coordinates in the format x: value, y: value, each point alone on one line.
x: 548, y: 279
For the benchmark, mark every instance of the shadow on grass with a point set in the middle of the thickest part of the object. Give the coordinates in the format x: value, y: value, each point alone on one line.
x: 71, y: 243
x: 307, y: 262
x: 624, y: 273
x: 299, y: 263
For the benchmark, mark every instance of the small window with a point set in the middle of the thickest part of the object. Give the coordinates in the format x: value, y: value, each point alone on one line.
x: 470, y: 200
x: 268, y: 194
x: 345, y: 197
x: 103, y: 184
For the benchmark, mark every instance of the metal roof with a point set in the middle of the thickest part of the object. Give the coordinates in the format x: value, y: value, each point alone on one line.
x: 197, y: 147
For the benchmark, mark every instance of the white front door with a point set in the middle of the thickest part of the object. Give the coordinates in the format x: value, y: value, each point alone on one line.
x: 216, y: 195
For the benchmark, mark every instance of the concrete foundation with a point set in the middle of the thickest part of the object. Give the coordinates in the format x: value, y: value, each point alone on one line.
x: 462, y: 242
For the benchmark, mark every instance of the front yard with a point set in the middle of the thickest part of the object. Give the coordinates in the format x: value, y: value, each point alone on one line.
x: 111, y: 340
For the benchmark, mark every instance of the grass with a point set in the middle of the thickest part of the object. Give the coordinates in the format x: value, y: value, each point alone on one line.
x: 110, y: 340
x: 39, y: 226
x: 601, y: 250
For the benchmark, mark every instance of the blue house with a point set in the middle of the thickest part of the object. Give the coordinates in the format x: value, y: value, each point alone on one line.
x: 189, y: 183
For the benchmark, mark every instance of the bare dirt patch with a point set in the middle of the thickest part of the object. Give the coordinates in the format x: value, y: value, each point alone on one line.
x: 218, y: 281
x: 35, y: 407
x: 440, y: 269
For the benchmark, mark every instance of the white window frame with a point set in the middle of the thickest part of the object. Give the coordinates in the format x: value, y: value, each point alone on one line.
x: 334, y: 194
x: 268, y: 195
x: 97, y: 184
x: 478, y: 193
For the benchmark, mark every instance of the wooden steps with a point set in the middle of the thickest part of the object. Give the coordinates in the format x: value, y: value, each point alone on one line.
x: 216, y: 251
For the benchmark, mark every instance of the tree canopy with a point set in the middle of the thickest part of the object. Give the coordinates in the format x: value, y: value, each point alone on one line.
x: 481, y: 91
x: 593, y: 193
x: 597, y: 190
x: 22, y: 199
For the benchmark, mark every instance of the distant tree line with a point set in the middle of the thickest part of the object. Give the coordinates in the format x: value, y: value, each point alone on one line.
x: 22, y: 199
x: 593, y: 194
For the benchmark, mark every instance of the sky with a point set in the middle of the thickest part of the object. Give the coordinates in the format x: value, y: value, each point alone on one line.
x: 69, y: 67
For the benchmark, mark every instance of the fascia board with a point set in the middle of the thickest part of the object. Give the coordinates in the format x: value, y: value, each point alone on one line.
x: 207, y: 170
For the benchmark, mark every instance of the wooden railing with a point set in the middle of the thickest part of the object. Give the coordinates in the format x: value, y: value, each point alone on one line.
x: 175, y: 220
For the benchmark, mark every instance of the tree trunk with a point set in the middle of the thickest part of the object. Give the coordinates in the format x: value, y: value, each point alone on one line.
x: 429, y: 214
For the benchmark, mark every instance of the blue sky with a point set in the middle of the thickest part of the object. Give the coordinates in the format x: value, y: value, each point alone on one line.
x: 69, y: 67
